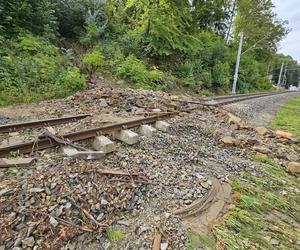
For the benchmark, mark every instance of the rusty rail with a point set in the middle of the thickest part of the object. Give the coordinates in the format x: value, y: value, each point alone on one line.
x: 42, y: 123
x: 44, y: 143
x: 238, y: 99
x: 230, y: 99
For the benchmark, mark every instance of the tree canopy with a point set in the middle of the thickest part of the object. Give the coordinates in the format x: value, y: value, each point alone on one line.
x: 157, y: 44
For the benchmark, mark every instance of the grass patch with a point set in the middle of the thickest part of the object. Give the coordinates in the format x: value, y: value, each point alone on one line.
x: 114, y: 235
x: 197, y: 241
x: 266, y: 207
x: 288, y: 117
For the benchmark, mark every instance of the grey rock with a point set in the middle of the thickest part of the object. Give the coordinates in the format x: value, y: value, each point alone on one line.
x: 59, y: 211
x: 123, y: 223
x: 53, y: 185
x: 274, y: 242
x: 12, y: 216
x: 53, y: 222
x: 18, y: 242
x: 141, y: 230
x: 37, y: 190
x: 100, y: 216
x: 205, y: 184
x: 28, y: 242
x: 103, y: 103
x: 104, y: 202
x: 68, y: 205
x: 5, y: 191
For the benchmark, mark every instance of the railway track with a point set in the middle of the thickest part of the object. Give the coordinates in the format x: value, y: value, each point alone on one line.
x: 225, y: 100
x: 42, y: 123
x: 46, y: 142
x: 43, y: 143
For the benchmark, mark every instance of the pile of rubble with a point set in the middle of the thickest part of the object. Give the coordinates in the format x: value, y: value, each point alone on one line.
x: 50, y: 207
x: 63, y: 203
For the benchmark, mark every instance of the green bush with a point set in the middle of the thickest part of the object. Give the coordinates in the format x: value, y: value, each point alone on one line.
x: 31, y: 69
x: 136, y: 71
x: 94, y: 59
x: 91, y: 35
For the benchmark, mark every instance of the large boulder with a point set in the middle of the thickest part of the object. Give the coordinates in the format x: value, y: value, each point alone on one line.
x: 294, y: 167
x: 262, y: 150
x: 261, y: 130
x: 228, y: 140
x: 232, y: 119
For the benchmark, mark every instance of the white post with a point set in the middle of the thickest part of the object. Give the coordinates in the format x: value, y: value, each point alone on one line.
x: 284, y: 75
x: 279, y: 78
x: 237, y: 66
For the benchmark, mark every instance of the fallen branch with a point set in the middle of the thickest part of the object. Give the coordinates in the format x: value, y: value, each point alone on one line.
x: 115, y: 172
x: 100, y: 225
x: 84, y: 228
x: 62, y: 140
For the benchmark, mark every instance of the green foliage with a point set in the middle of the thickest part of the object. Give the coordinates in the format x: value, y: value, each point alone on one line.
x: 94, y: 59
x: 261, y: 211
x: 136, y: 71
x: 185, y: 39
x: 288, y: 118
x: 198, y: 241
x: 91, y: 35
x: 32, y: 69
x: 30, y: 15
x: 260, y: 24
x: 81, y: 18
x: 114, y: 235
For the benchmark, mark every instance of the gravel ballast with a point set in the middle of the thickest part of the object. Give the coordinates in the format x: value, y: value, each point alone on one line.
x: 260, y: 111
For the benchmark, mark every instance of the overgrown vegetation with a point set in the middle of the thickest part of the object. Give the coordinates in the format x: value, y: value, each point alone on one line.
x: 48, y: 46
x: 288, y: 117
x: 265, y: 211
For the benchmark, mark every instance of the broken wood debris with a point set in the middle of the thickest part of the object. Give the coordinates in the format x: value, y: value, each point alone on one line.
x: 20, y: 162
x: 156, y: 242
x: 61, y: 140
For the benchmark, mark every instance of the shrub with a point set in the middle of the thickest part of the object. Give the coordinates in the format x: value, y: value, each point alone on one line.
x: 91, y: 36
x: 136, y: 71
x: 94, y: 59
x: 33, y: 69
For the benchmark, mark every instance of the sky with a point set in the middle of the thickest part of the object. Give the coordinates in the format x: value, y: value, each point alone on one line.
x: 290, y: 10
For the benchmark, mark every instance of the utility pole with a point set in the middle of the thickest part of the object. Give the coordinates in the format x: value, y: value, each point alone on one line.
x: 280, y: 74
x: 284, y: 75
x: 237, y: 66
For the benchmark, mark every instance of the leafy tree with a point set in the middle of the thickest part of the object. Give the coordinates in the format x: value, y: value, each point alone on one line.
x: 77, y: 16
x: 261, y: 26
x: 211, y: 15
x: 35, y: 16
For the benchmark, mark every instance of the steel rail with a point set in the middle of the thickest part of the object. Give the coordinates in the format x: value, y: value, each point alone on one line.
x: 44, y: 143
x: 235, y: 96
x: 233, y: 99
x: 223, y: 97
x: 42, y: 123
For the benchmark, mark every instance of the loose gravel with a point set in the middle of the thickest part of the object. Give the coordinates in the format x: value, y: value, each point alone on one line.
x: 260, y: 111
x: 45, y: 205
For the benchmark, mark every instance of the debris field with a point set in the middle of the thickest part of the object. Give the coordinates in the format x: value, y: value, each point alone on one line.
x: 125, y: 198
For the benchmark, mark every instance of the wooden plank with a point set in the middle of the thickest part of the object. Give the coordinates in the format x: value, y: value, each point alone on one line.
x: 156, y: 242
x: 20, y: 162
